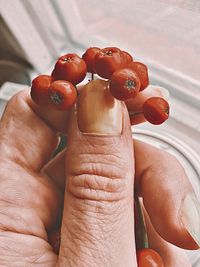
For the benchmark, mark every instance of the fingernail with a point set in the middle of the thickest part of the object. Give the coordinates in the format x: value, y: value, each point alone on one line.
x: 190, y: 216
x: 98, y: 112
x: 163, y: 92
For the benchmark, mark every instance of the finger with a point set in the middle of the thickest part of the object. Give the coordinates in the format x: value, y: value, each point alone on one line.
x: 24, y: 137
x: 136, y: 103
x: 136, y: 118
x: 99, y: 188
x: 171, y: 255
x: 29, y: 200
x: 168, y: 196
x: 134, y: 106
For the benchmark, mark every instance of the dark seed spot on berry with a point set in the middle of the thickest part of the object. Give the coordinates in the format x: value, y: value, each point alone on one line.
x: 56, y: 98
x: 107, y: 53
x: 130, y: 84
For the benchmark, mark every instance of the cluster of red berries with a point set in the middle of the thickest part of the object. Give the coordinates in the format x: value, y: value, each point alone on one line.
x: 126, y: 79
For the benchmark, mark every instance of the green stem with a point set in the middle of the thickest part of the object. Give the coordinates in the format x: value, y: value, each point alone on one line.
x: 144, y: 238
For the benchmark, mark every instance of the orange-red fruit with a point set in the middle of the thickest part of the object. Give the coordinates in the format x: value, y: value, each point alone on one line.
x: 156, y: 110
x: 124, y: 84
x: 39, y: 89
x: 70, y: 67
x: 107, y: 61
x: 127, y: 57
x: 89, y: 57
x: 149, y: 258
x: 142, y: 73
x: 62, y: 95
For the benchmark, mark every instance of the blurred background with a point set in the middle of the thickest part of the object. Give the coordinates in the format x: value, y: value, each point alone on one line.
x: 165, y: 35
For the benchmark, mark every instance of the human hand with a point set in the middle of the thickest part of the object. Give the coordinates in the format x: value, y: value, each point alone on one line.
x: 98, y: 220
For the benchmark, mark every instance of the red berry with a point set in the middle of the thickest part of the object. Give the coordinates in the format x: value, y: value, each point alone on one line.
x: 39, y: 89
x: 62, y: 95
x: 127, y: 57
x: 89, y: 57
x: 149, y: 258
x: 124, y: 84
x: 142, y: 73
x: 70, y: 67
x: 156, y: 110
x: 107, y: 61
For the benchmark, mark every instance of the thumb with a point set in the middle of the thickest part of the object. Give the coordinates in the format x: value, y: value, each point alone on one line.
x: 100, y: 155
x: 98, y: 219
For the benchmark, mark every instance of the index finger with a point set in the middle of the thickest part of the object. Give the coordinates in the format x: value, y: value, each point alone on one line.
x: 25, y: 138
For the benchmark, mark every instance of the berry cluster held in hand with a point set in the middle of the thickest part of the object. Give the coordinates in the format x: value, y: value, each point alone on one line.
x: 127, y: 78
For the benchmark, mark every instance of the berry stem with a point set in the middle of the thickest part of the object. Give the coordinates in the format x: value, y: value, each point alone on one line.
x: 92, y: 76
x: 144, y: 239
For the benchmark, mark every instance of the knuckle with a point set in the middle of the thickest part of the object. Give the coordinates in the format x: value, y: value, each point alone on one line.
x: 99, y: 169
x: 94, y: 187
x: 98, y: 180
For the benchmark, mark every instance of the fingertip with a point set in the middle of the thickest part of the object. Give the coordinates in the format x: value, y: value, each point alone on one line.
x: 157, y: 90
x: 57, y: 120
x: 135, y: 105
x: 171, y: 255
